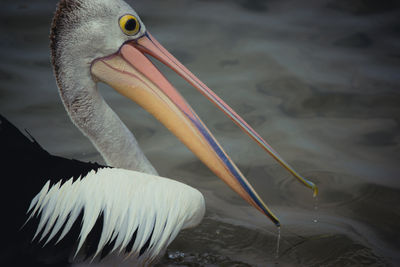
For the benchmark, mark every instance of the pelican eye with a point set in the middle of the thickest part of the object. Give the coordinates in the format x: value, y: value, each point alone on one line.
x: 129, y: 24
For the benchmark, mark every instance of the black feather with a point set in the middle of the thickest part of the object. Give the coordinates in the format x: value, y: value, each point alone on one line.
x: 25, y: 168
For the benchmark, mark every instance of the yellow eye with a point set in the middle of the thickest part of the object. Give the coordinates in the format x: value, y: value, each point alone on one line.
x: 129, y: 24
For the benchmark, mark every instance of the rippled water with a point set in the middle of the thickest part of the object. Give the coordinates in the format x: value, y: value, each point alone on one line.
x: 318, y: 79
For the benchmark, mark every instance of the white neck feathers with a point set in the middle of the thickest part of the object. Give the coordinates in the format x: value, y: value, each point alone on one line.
x: 102, y: 126
x: 81, y: 32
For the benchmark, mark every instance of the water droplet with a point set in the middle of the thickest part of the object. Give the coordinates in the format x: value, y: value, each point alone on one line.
x: 278, y: 241
x: 176, y: 255
x: 315, y: 209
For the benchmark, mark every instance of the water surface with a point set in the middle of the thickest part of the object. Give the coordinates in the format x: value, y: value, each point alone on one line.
x: 319, y: 80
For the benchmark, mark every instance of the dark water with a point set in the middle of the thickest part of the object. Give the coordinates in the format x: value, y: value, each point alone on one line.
x: 319, y: 80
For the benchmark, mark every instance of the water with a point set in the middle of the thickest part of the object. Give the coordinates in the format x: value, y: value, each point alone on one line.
x: 319, y: 80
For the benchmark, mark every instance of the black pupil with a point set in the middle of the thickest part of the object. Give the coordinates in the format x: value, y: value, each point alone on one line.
x: 130, y: 25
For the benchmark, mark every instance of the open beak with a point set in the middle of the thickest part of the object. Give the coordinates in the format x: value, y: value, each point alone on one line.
x: 133, y: 75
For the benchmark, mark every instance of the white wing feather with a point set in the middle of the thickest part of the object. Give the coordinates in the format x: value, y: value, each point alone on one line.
x: 130, y: 202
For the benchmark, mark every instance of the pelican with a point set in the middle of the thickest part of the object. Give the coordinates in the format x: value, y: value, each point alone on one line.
x: 123, y: 213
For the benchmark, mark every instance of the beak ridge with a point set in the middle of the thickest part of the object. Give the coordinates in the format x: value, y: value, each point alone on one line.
x: 149, y: 45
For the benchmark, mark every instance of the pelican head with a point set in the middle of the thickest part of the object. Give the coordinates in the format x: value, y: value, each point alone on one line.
x: 105, y: 41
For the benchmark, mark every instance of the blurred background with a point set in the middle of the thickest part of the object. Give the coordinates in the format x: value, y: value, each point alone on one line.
x: 318, y: 79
